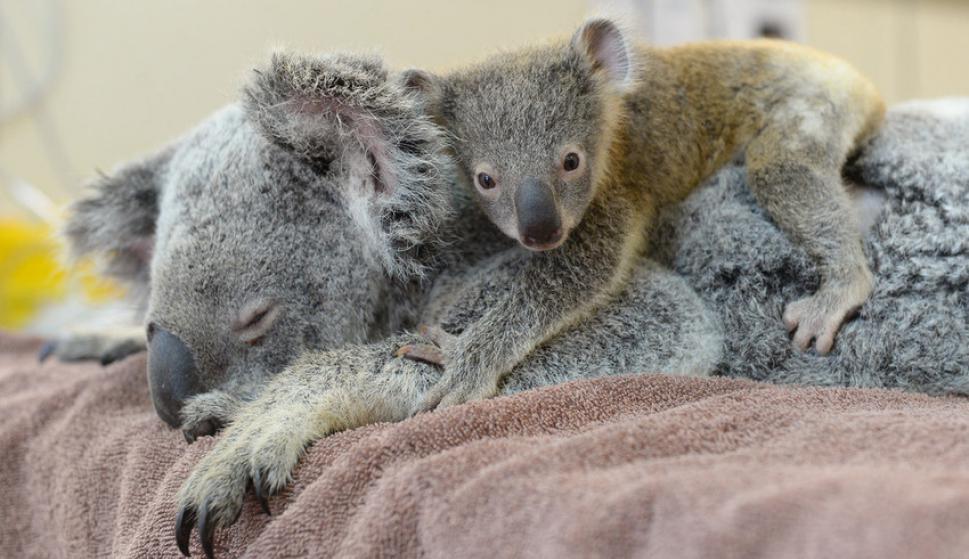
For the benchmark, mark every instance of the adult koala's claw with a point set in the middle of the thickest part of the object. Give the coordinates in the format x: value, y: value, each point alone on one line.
x: 259, y: 490
x: 206, y: 530
x: 206, y: 414
x: 201, y: 520
x: 204, y: 428
x: 120, y: 350
x: 46, y: 351
x: 183, y: 528
x: 104, y: 347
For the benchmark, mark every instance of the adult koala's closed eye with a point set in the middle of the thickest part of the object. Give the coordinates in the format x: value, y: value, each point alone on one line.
x: 250, y: 241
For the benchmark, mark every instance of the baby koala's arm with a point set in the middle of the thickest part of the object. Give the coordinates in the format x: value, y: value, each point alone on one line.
x: 551, y: 291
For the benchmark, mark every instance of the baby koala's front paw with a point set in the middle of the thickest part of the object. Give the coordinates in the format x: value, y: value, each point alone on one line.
x: 820, y: 316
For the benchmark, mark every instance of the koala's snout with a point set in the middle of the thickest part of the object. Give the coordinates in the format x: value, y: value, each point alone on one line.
x: 539, y: 219
x: 172, y: 374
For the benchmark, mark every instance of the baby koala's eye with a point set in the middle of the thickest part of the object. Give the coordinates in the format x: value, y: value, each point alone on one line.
x: 485, y: 181
x: 571, y: 161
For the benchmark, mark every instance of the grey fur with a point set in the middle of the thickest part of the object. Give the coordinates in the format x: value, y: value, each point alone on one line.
x: 225, y: 236
x: 913, y: 333
x: 236, y: 213
x: 637, y: 146
x: 745, y: 281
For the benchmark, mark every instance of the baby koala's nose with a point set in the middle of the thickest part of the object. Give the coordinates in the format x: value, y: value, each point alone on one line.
x: 172, y: 374
x: 542, y: 238
x: 539, y: 223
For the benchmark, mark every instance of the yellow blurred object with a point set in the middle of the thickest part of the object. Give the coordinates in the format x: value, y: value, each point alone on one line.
x: 32, y: 276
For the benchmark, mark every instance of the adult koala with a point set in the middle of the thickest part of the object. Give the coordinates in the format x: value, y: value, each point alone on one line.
x: 306, y: 231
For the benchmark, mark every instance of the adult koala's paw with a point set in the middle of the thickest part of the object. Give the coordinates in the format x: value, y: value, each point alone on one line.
x: 105, y: 347
x: 259, y: 449
x: 206, y: 414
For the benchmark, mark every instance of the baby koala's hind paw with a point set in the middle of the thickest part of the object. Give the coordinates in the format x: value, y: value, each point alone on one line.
x: 818, y: 318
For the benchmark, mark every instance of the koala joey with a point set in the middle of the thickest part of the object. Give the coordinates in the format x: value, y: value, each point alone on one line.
x: 572, y: 148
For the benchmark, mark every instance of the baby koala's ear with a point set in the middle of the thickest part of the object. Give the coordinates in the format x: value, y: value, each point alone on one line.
x: 428, y: 88
x: 603, y: 44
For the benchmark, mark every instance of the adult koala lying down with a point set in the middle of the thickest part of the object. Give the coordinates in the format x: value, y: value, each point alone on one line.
x: 309, y: 229
x: 302, y: 232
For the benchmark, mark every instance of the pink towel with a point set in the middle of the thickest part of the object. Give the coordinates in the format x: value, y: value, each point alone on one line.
x: 640, y: 466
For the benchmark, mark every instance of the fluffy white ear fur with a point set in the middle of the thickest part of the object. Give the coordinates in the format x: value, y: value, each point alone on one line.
x: 603, y: 43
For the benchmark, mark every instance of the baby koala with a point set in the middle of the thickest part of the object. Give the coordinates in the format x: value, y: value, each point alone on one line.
x: 572, y: 149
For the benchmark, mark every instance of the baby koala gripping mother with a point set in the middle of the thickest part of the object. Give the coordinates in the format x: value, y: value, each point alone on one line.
x: 574, y: 147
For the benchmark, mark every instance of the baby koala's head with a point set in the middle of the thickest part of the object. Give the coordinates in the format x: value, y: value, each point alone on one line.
x: 531, y: 130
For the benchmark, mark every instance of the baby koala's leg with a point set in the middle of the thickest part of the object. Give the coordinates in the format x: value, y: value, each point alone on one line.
x: 794, y: 171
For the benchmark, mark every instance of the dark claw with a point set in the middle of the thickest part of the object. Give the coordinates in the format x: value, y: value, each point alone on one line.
x: 257, y: 488
x: 206, y: 530
x: 46, y: 351
x: 423, y: 353
x: 120, y: 352
x: 183, y: 528
x: 205, y: 428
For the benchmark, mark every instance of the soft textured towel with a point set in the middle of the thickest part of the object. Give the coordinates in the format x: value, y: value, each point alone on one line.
x: 642, y: 466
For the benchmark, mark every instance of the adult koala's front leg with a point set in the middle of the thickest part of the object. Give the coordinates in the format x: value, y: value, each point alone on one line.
x: 321, y: 393
x: 105, y: 346
x: 657, y: 323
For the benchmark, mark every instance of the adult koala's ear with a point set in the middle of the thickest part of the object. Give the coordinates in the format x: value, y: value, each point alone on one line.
x: 115, y: 220
x: 327, y: 108
x: 354, y: 121
x: 603, y: 44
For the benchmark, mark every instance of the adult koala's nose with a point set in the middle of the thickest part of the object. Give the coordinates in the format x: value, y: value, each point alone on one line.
x: 172, y: 374
x: 539, y: 222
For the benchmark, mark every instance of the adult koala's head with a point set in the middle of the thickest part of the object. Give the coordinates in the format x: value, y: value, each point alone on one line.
x: 289, y: 222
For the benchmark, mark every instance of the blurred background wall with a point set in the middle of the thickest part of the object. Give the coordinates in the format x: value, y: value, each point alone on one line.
x: 85, y: 84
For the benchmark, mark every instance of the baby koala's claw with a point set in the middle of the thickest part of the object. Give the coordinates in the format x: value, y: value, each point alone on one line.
x: 423, y: 353
x: 818, y: 318
x: 433, y: 353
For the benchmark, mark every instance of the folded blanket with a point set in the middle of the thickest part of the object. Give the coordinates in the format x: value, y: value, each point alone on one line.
x: 641, y: 466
